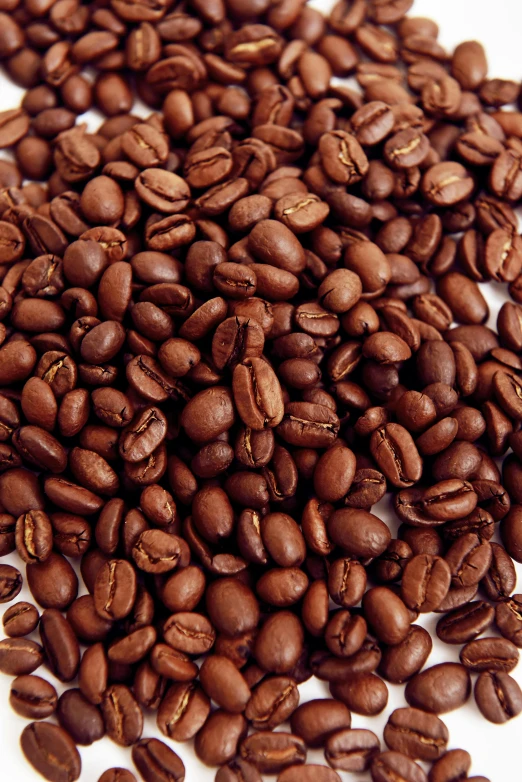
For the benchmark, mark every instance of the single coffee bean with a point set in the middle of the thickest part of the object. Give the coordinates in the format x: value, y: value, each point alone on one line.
x: 392, y: 765
x: 315, y: 720
x: 115, y: 589
x: 51, y: 751
x: 309, y: 772
x: 217, y: 742
x: 80, y: 718
x: 60, y: 645
x: 416, y: 734
x: 272, y: 702
x: 498, y: 696
x: 271, y: 753
x: 122, y: 715
x: 20, y: 656
x: 351, y: 749
x: 183, y: 711
x: 10, y: 583
x: 20, y: 619
x: 466, y: 623
x: 156, y: 761
x: 489, y: 654
x: 422, y: 691
x: 33, y: 697
x: 363, y: 693
x: 387, y: 615
x: 402, y: 661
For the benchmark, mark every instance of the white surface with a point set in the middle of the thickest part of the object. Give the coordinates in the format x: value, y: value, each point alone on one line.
x: 495, y: 749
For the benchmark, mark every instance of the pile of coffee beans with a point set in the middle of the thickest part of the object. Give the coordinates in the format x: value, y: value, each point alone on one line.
x: 228, y: 327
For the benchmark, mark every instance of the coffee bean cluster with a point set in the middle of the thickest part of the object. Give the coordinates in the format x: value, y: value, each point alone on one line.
x: 227, y: 329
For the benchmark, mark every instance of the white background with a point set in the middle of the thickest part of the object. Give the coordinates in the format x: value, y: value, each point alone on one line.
x: 495, y: 749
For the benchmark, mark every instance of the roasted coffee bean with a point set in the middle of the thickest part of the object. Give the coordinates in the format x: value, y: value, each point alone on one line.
x: 217, y: 742
x: 60, y: 645
x: 363, y: 693
x: 51, y: 751
x: 32, y: 697
x: 183, y: 711
x: 156, y: 761
x: 402, y: 661
x: 351, y: 749
x: 53, y: 583
x: 386, y: 614
x: 20, y: 619
x: 392, y: 765
x: 498, y: 696
x: 81, y: 719
x: 115, y: 589
x: 466, y: 623
x: 122, y: 715
x: 422, y: 691
x: 271, y: 753
x: 416, y: 734
x: 425, y: 582
x: 20, y: 656
x: 489, y: 654
x: 272, y: 702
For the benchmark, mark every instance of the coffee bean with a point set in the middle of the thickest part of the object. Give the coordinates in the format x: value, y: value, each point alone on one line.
x: 425, y: 582
x: 183, y: 711
x: 390, y: 765
x: 387, y: 615
x: 117, y: 775
x: 122, y: 715
x: 60, y: 645
x: 351, y: 749
x: 271, y: 753
x: 363, y: 693
x: 464, y: 624
x: 422, y: 692
x: 10, y: 583
x: 155, y: 761
x: 32, y: 697
x: 489, y: 654
x: 315, y: 720
x: 402, y: 661
x: 82, y: 721
x: 51, y: 751
x: 272, y: 702
x: 20, y: 656
x: 498, y: 696
x: 416, y: 734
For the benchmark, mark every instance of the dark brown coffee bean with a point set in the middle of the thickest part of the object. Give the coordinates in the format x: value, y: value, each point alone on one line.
x: 351, y: 749
x: 53, y: 583
x: 416, y: 734
x: 156, y: 761
x: 20, y: 656
x: 51, y: 751
x: 122, y: 715
x: 183, y: 711
x: 392, y: 765
x: 273, y: 752
x: 402, y: 661
x: 422, y: 692
x: 498, y: 697
x: 32, y: 697
x: 81, y: 719
x: 115, y: 589
x: 60, y: 645
x: 464, y: 624
x: 387, y: 615
x: 363, y: 693
x: 489, y: 654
